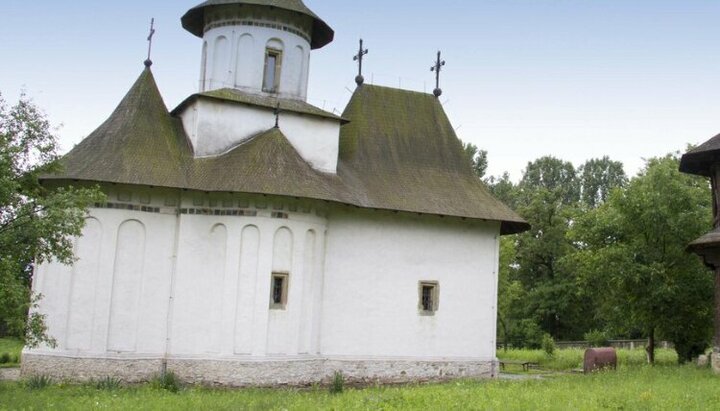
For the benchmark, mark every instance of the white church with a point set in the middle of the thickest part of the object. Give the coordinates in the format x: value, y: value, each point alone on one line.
x: 252, y: 239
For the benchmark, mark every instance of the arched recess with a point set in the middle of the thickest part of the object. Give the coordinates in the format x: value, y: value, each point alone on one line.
x: 245, y: 60
x: 213, y: 285
x: 298, y: 69
x: 82, y: 286
x: 247, y: 284
x: 308, y: 306
x: 279, y: 332
x: 203, y: 67
x: 221, y: 62
x: 126, y: 286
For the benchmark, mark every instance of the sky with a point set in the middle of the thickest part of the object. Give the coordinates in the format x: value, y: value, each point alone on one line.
x: 576, y: 79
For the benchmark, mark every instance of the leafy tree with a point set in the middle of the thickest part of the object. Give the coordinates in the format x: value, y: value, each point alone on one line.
x: 598, y: 177
x: 478, y: 159
x: 503, y: 189
x: 632, y: 251
x: 558, y: 178
x: 36, y: 224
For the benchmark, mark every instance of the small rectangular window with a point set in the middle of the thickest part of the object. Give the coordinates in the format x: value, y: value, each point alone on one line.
x: 271, y: 79
x: 279, y: 291
x: 428, y: 295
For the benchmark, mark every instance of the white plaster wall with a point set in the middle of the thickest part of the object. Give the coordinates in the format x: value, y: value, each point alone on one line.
x: 215, y: 127
x: 235, y: 58
x: 104, y: 305
x: 374, y: 263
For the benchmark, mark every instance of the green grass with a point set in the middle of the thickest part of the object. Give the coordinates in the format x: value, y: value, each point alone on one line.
x: 12, y: 348
x: 641, y: 387
x: 571, y: 358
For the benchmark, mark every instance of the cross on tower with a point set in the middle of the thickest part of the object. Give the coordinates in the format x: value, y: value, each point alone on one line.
x: 277, y: 112
x: 359, y: 58
x: 437, y: 68
x: 148, y: 62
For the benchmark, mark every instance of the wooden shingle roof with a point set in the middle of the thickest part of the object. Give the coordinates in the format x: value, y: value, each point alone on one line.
x: 398, y: 152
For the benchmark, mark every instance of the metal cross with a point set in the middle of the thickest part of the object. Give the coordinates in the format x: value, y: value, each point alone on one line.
x: 277, y: 112
x: 437, y: 68
x: 359, y: 58
x: 148, y: 62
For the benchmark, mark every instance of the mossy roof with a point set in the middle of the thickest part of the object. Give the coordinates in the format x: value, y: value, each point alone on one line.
x: 702, y: 158
x: 241, y: 97
x: 194, y: 20
x: 399, y: 152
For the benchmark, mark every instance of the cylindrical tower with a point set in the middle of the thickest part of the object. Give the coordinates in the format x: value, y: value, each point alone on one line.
x: 258, y: 46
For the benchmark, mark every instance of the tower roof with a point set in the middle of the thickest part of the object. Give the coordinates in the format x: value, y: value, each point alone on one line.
x: 194, y: 20
x: 702, y: 158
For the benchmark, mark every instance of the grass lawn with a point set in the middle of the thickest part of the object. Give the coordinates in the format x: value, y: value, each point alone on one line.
x: 634, y: 387
x: 12, y: 348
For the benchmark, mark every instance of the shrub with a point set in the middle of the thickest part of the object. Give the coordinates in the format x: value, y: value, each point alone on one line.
x: 107, y: 383
x: 5, y: 358
x: 548, y: 345
x: 338, y: 383
x: 38, y: 382
x: 166, y: 381
x: 527, y: 334
x: 597, y: 338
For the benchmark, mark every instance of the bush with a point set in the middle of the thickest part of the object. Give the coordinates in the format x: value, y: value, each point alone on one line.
x: 548, y: 345
x: 166, y: 381
x: 5, y: 358
x: 107, y: 383
x: 38, y: 382
x: 338, y: 383
x: 527, y: 334
x: 597, y: 338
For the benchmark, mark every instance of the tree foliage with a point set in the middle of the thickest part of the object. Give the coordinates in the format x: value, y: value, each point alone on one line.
x: 36, y: 224
x: 478, y: 159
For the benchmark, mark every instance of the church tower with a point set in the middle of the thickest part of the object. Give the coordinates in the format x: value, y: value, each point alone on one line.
x: 257, y: 46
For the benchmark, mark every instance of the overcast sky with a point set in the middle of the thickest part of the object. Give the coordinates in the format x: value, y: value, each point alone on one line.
x: 576, y: 79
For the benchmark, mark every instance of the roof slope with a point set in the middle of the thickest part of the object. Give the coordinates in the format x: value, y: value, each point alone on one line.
x: 194, y: 20
x: 701, y: 159
x: 400, y: 152
x: 140, y: 142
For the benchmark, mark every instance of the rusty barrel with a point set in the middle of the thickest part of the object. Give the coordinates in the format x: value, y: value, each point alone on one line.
x: 599, y: 358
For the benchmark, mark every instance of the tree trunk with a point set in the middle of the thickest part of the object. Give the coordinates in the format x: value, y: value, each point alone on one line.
x: 650, y: 349
x: 505, y: 333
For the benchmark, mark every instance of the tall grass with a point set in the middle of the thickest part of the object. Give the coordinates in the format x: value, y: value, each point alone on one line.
x: 571, y: 358
x: 10, y: 349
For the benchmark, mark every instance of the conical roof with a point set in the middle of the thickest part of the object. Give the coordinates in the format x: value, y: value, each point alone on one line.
x: 194, y: 20
x: 701, y: 159
x: 140, y: 141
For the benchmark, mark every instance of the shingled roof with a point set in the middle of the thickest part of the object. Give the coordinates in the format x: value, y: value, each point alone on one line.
x: 399, y: 152
x: 701, y: 159
x: 194, y: 20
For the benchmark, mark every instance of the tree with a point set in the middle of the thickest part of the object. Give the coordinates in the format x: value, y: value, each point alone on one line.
x: 478, y: 159
x: 632, y: 250
x: 598, y: 177
x: 36, y: 224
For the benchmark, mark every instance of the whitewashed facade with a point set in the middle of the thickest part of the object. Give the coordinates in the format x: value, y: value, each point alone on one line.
x: 182, y: 279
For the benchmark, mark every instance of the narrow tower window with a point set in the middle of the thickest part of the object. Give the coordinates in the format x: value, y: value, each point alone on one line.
x: 278, y: 291
x: 271, y: 79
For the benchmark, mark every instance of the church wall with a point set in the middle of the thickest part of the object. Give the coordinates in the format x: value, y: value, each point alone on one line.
x: 375, y: 261
x: 216, y: 127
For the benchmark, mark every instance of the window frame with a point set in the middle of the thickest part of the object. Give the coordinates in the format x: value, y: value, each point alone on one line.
x: 282, y: 305
x: 435, y: 290
x: 278, y: 54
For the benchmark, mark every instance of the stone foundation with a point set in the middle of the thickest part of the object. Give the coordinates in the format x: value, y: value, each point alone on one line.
x: 257, y: 372
x: 715, y: 361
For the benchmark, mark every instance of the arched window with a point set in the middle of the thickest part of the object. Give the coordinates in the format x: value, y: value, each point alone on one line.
x: 273, y: 64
